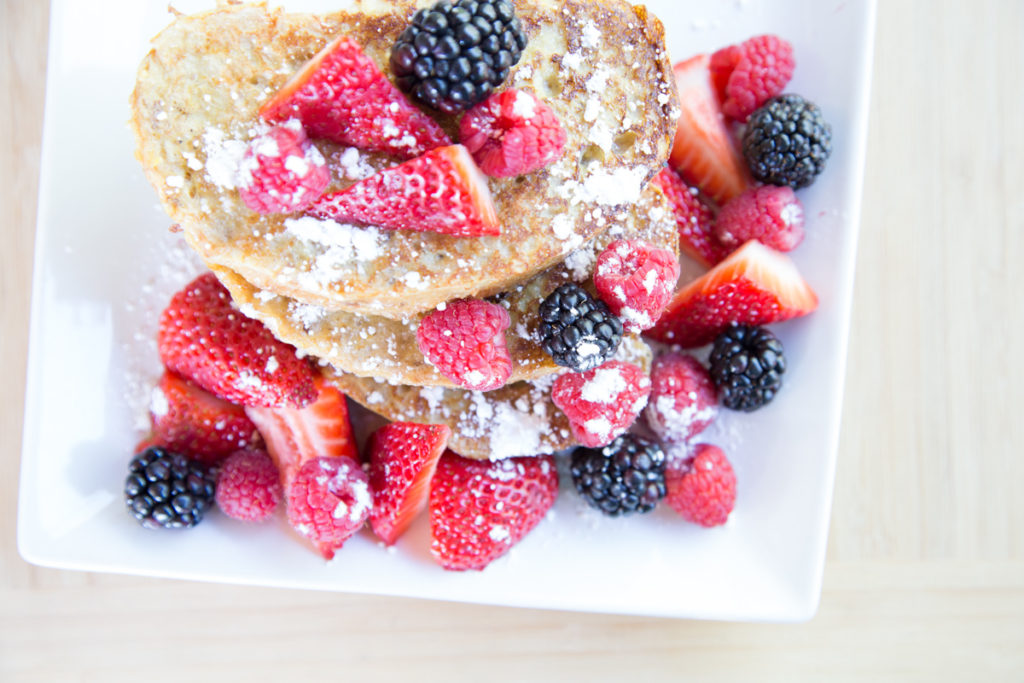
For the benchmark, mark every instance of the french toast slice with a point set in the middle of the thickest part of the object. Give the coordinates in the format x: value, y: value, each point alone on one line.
x: 601, y: 65
x: 379, y: 347
x: 517, y: 420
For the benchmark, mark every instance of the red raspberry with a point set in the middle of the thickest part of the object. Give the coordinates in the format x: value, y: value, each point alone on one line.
x: 512, y: 133
x: 770, y: 214
x: 466, y: 343
x: 636, y: 280
x: 694, y: 219
x: 702, y: 488
x: 683, y: 401
x: 282, y: 171
x: 751, y: 73
x: 328, y: 501
x: 249, y: 486
x: 602, y: 403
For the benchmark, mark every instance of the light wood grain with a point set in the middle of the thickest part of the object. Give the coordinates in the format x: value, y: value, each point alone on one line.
x: 925, y: 572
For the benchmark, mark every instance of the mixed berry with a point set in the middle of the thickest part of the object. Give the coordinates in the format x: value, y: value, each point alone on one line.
x: 242, y: 420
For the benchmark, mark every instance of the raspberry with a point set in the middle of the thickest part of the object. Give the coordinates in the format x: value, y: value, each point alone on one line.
x: 328, y: 501
x: 702, y: 488
x: 694, y: 219
x: 512, y: 133
x: 466, y: 343
x: 636, y: 280
x: 602, y: 403
x: 751, y: 73
x: 682, y: 402
x: 248, y: 487
x: 282, y: 171
x: 769, y: 214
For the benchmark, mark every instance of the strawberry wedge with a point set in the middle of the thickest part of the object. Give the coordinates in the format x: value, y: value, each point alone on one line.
x: 341, y: 94
x: 327, y: 493
x: 441, y: 191
x: 694, y: 219
x: 704, y: 151
x: 755, y: 285
x: 403, y: 457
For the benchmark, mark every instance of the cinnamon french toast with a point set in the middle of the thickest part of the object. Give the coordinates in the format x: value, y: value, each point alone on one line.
x: 600, y: 65
x: 386, y: 349
x: 517, y: 419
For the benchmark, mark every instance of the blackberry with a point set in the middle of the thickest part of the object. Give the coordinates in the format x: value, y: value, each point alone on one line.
x: 577, y: 330
x: 747, y: 366
x: 626, y: 476
x: 454, y: 54
x: 165, y: 489
x: 787, y: 142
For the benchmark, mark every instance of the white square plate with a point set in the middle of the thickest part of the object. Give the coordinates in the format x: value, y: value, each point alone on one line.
x: 105, y: 264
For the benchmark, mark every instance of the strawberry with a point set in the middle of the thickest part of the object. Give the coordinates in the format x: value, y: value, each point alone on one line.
x: 704, y: 151
x: 205, y: 339
x: 341, y: 94
x: 754, y: 286
x: 480, y: 509
x: 441, y: 191
x: 191, y: 421
x: 403, y: 457
x: 295, y: 435
x: 315, y: 452
x: 694, y: 219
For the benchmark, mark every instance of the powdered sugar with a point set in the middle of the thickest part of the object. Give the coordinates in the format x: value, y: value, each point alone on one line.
x: 604, y: 386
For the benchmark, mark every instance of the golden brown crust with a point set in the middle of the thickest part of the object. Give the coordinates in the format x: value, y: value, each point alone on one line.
x: 518, y: 419
x: 200, y: 86
x: 375, y: 346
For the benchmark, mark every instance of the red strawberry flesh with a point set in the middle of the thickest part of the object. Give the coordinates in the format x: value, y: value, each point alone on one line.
x: 479, y: 509
x: 754, y: 286
x: 295, y: 435
x: 704, y: 151
x: 205, y: 339
x: 403, y: 457
x: 191, y: 421
x: 441, y: 191
x: 342, y: 95
x: 694, y: 219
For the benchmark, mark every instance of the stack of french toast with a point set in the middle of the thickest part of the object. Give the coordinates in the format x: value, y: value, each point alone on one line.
x: 351, y: 294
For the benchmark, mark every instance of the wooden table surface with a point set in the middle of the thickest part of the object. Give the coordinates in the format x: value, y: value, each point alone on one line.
x: 925, y: 572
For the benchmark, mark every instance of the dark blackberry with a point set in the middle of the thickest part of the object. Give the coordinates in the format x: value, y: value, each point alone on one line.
x: 165, y: 489
x: 578, y: 330
x: 626, y: 476
x: 787, y: 142
x: 747, y: 364
x: 455, y: 54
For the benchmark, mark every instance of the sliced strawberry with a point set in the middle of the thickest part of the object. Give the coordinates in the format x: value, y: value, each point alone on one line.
x: 403, y: 457
x: 441, y: 191
x: 704, y: 151
x: 205, y: 339
x: 694, y: 219
x: 341, y: 95
x: 303, y: 441
x: 295, y: 435
x: 754, y: 286
x: 480, y: 509
x: 195, y: 423
x: 328, y: 501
